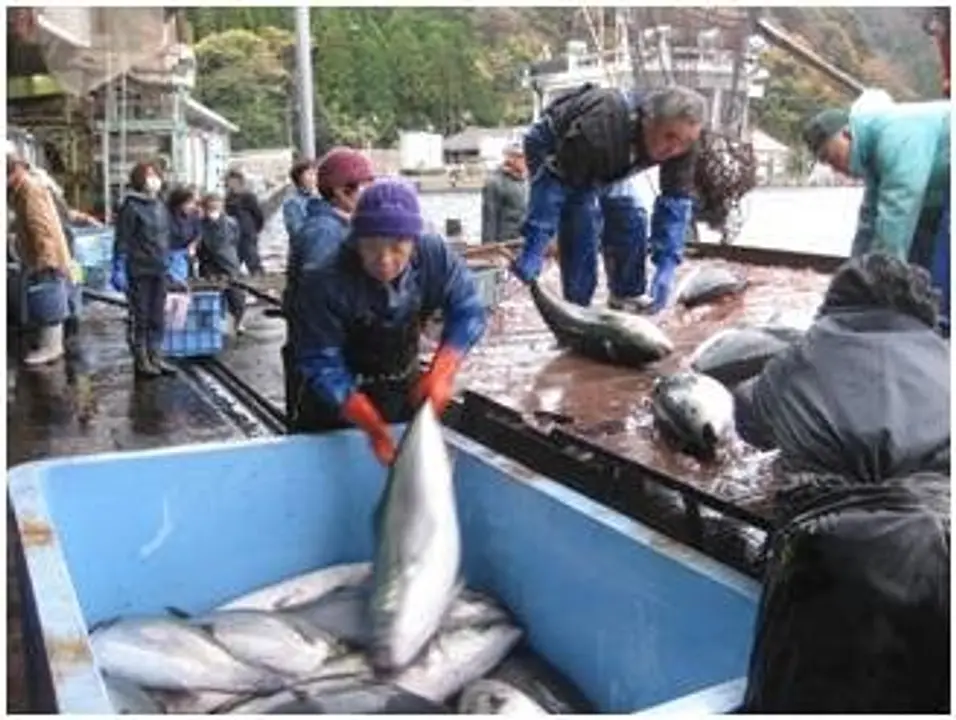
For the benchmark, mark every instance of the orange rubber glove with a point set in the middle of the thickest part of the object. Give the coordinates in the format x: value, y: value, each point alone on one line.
x: 438, y: 384
x: 361, y: 411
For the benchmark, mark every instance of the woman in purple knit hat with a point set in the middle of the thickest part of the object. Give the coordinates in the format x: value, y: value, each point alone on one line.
x: 360, y: 317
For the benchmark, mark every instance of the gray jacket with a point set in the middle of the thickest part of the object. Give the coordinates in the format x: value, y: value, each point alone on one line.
x: 504, y: 201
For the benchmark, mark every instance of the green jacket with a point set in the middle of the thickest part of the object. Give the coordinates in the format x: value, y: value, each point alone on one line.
x: 504, y: 201
x: 902, y: 152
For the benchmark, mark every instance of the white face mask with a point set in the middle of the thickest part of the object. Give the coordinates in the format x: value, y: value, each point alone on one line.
x: 214, y: 216
x: 153, y: 184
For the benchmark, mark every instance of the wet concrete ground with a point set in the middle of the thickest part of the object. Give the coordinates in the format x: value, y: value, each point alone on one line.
x: 90, y: 403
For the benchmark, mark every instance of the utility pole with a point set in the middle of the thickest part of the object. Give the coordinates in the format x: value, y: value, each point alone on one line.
x: 108, y: 113
x: 303, y: 52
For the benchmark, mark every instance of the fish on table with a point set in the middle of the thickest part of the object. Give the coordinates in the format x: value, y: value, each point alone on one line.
x: 602, y: 334
x: 709, y: 283
x: 694, y: 411
x: 737, y: 354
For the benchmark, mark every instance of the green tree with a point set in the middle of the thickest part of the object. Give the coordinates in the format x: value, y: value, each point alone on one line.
x: 243, y: 76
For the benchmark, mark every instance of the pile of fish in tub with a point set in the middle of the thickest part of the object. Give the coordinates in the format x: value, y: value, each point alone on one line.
x: 398, y: 635
x: 693, y: 409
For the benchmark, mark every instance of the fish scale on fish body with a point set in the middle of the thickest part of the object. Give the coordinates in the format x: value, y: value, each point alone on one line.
x: 602, y: 334
x: 170, y: 654
x: 417, y: 556
x: 278, y: 643
x: 694, y: 410
x: 709, y: 283
x: 301, y: 589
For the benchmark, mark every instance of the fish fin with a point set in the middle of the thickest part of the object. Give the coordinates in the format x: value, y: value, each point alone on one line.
x: 177, y: 612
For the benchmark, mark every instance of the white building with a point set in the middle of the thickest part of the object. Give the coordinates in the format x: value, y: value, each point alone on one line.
x: 773, y: 157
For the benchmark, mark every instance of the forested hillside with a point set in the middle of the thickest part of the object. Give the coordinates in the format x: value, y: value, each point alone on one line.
x: 380, y: 70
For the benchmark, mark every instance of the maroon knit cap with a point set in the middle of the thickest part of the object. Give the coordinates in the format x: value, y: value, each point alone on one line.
x: 343, y: 166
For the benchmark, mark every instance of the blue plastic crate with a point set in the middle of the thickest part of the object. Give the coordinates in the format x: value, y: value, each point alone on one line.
x: 490, y: 281
x: 93, y: 247
x: 97, y: 277
x: 202, y: 336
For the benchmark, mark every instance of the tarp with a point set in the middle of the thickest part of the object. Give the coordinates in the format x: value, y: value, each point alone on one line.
x: 85, y: 47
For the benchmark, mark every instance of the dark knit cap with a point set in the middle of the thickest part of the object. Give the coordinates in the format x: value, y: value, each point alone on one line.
x: 387, y: 208
x: 824, y: 126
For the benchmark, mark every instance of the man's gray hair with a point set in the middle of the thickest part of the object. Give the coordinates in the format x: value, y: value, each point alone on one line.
x: 675, y: 103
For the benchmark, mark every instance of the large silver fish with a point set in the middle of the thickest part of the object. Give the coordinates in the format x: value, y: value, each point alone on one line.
x: 709, y: 283
x: 128, y: 698
x: 343, y: 613
x: 452, y: 661
x: 737, y: 354
x: 535, y: 677
x: 694, y: 410
x: 496, y: 697
x: 302, y: 588
x: 418, y: 551
x: 602, y: 334
x: 457, y: 658
x: 169, y: 654
x: 278, y: 643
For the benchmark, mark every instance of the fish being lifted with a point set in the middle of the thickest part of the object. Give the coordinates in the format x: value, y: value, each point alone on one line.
x: 602, y: 334
x: 709, y: 283
x: 694, y: 411
x: 415, y: 569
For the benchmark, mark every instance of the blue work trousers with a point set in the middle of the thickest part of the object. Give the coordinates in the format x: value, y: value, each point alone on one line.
x: 576, y: 216
x: 939, y: 267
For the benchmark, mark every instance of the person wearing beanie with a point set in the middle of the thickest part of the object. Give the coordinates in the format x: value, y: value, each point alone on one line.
x: 302, y: 176
x: 901, y: 151
x: 339, y: 176
x: 361, y: 317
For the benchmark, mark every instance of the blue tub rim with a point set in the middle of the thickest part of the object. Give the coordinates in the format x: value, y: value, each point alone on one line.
x: 76, y: 679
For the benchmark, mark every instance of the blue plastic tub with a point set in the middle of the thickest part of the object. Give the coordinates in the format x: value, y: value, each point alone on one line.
x: 490, y: 280
x: 202, y: 335
x: 93, y: 247
x: 633, y: 618
x: 93, y: 252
